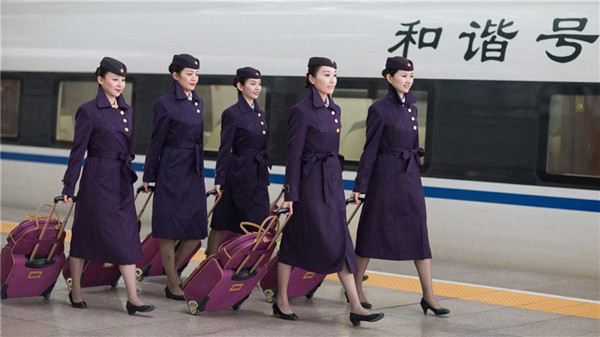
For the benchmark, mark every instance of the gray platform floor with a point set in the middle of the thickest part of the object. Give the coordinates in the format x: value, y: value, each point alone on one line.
x: 324, y: 315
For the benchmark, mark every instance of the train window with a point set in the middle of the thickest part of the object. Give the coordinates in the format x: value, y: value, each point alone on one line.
x: 10, y: 90
x: 355, y: 105
x: 218, y: 97
x: 71, y: 94
x: 573, y: 136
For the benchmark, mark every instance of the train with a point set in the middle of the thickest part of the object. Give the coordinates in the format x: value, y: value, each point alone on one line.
x: 508, y: 94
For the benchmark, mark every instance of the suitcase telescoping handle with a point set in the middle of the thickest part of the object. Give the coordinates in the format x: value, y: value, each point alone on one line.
x: 350, y: 201
x: 137, y: 193
x: 61, y: 230
x: 273, y: 220
x: 217, y: 198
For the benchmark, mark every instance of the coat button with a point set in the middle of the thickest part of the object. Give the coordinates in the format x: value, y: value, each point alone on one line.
x: 196, y: 103
x: 335, y: 120
x: 197, y: 111
x: 122, y: 112
x: 409, y: 110
x: 412, y: 118
x: 259, y: 114
x: 262, y: 123
x: 337, y: 130
x: 126, y: 129
x: 124, y: 120
x: 414, y: 127
x: 264, y: 132
x: 332, y: 113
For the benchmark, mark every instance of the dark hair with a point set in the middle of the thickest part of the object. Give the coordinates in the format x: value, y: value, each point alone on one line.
x: 389, y: 71
x: 237, y: 80
x: 312, y: 70
x: 173, y: 68
x: 101, y: 71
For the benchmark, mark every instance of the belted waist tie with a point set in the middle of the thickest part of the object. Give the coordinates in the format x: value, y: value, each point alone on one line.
x: 309, y: 160
x: 196, y: 146
x: 410, y: 155
x: 128, y: 175
x: 264, y: 163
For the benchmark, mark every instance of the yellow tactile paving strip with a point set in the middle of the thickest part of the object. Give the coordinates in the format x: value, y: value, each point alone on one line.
x: 503, y: 297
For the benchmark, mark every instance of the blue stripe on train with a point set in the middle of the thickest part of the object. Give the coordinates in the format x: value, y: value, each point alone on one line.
x: 430, y: 192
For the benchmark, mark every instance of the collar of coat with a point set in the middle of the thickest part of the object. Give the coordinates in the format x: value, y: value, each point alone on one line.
x: 318, y: 101
x: 409, y: 98
x: 180, y: 94
x: 103, y: 102
x: 244, y: 106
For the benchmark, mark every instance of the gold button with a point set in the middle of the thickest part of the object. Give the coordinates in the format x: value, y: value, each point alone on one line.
x: 126, y: 129
x: 122, y: 112
x: 124, y: 120
x: 259, y: 114
x: 337, y: 130
x: 197, y: 111
x: 412, y: 118
x: 264, y: 132
x: 409, y: 110
x: 332, y: 113
x: 335, y: 120
x: 196, y: 103
x: 414, y: 127
x: 262, y: 123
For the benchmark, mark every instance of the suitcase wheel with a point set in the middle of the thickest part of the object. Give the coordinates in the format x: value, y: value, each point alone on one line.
x: 47, y: 292
x: 115, y: 282
x: 193, y: 305
x: 269, y: 295
x: 139, y: 274
x: 365, y: 277
x: 239, y: 304
x: 69, y: 283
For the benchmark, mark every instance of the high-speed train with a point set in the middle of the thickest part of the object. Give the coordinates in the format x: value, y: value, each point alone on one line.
x: 508, y: 95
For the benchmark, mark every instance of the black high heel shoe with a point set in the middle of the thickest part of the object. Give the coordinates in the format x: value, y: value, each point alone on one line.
x: 437, y: 312
x: 78, y: 305
x: 172, y: 296
x: 132, y: 308
x: 277, y: 312
x: 365, y: 305
x: 356, y: 318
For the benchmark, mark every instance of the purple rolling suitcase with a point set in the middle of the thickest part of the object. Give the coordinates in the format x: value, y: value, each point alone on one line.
x: 302, y: 282
x: 226, y: 278
x: 34, y: 255
x: 97, y: 273
x: 151, y: 262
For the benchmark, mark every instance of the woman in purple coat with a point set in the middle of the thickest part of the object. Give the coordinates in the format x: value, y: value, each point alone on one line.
x: 316, y: 238
x: 105, y: 227
x: 174, y: 161
x: 393, y: 222
x: 242, y: 162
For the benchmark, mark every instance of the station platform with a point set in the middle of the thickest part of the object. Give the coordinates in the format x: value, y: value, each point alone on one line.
x: 484, y: 301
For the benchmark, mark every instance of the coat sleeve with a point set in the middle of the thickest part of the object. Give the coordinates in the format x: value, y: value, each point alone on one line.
x: 224, y: 155
x: 367, y: 159
x: 83, y: 132
x: 297, y: 129
x: 159, y: 135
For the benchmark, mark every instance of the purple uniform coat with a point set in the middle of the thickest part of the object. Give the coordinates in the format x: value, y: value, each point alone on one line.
x: 242, y: 167
x: 316, y: 238
x: 105, y: 227
x: 393, y: 224
x: 174, y: 161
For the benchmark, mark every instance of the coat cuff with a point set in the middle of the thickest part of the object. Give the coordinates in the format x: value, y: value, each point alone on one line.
x: 68, y: 190
x: 149, y: 175
x: 291, y: 194
x: 360, y: 187
x: 219, y: 180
